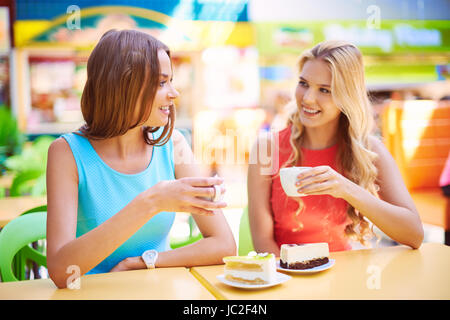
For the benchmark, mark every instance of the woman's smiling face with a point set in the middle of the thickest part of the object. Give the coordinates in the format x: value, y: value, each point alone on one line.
x: 163, y: 102
x: 314, y: 97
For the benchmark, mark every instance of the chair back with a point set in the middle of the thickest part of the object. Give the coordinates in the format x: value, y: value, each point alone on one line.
x: 36, y: 209
x: 16, y: 236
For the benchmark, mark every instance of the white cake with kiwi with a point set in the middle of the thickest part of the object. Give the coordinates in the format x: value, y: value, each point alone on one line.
x: 251, y: 269
x: 304, y: 256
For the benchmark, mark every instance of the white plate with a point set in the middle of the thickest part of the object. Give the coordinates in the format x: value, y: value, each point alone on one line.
x: 310, y: 270
x: 280, y: 278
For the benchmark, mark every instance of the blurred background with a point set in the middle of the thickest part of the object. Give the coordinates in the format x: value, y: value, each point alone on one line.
x: 235, y: 68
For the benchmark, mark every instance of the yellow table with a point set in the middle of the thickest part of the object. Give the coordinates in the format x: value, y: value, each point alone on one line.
x: 383, y: 273
x: 12, y: 207
x: 162, y: 283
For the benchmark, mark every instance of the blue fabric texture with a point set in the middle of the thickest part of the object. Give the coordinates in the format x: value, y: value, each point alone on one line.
x: 103, y: 191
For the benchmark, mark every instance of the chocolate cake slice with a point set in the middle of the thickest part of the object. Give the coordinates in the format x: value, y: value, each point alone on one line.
x: 304, y: 256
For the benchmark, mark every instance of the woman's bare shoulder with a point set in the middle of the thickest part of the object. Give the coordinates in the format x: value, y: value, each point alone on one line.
x: 375, y: 142
x: 177, y: 136
x: 377, y: 146
x: 60, y: 149
x: 60, y: 155
x: 59, y: 144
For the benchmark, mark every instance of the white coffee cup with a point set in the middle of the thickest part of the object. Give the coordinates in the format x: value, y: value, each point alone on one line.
x: 217, y: 193
x: 218, y: 196
x: 288, y: 177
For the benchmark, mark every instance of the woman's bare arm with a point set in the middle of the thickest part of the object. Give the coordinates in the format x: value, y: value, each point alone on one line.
x: 259, y: 183
x: 394, y: 213
x: 217, y: 241
x: 64, y: 249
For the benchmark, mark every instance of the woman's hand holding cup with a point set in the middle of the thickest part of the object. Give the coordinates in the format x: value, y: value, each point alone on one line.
x: 289, y: 178
x: 217, y: 192
x: 194, y: 195
x: 320, y: 180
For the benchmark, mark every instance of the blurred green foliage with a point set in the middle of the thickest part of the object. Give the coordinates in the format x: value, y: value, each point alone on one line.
x: 11, y: 139
x: 29, y: 168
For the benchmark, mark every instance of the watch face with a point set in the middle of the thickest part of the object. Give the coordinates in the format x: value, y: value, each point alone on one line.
x: 150, y: 255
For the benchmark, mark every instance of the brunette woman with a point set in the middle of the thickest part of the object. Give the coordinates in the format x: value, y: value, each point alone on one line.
x: 115, y: 185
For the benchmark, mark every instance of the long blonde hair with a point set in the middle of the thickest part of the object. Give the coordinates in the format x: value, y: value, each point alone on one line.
x: 355, y: 160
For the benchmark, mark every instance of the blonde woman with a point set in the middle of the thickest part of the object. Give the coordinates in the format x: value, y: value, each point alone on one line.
x: 353, y: 177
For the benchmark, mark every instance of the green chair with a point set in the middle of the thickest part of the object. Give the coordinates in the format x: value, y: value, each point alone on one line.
x: 15, y: 237
x: 245, y: 236
x: 20, y: 263
x: 35, y: 209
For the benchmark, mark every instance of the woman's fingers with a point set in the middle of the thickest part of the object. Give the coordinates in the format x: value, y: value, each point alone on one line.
x: 321, y: 177
x: 314, y: 171
x: 206, y: 192
x: 186, y: 194
x: 325, y: 187
x: 199, y: 202
x: 207, y: 204
x: 321, y: 182
x: 202, y: 182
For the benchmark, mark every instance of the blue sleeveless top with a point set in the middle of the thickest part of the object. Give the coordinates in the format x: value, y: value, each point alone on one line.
x: 103, y: 191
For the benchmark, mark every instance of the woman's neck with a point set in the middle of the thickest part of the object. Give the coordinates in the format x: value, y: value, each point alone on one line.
x: 130, y: 143
x: 317, y: 138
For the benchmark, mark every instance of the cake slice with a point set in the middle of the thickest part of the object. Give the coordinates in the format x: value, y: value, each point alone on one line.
x: 251, y: 269
x: 303, y: 256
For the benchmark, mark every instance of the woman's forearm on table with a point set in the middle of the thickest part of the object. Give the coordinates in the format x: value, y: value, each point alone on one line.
x: 399, y: 223
x: 88, y: 250
x: 206, y: 251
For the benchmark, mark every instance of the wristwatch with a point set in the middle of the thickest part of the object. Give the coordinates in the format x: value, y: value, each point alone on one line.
x: 149, y: 257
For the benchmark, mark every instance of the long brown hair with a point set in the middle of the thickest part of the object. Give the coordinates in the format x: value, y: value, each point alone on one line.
x: 122, y: 78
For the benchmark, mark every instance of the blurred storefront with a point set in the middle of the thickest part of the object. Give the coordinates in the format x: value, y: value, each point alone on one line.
x: 5, y: 49
x: 406, y: 51
x: 234, y: 61
x: 405, y: 44
x: 214, y: 58
x: 227, y: 55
